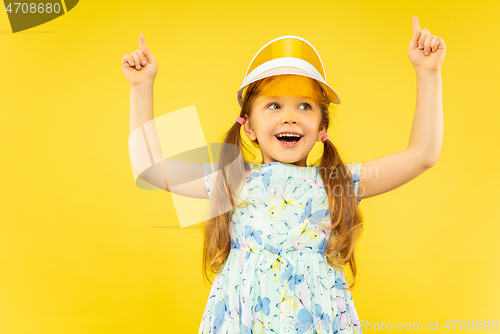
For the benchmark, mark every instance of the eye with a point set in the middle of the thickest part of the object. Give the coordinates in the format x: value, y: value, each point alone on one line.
x: 307, y: 104
x: 272, y: 104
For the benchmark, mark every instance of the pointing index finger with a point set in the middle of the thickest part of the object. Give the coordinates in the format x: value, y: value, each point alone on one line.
x: 416, y: 26
x: 142, y: 42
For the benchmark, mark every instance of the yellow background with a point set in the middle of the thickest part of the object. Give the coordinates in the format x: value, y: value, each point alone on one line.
x: 84, y: 250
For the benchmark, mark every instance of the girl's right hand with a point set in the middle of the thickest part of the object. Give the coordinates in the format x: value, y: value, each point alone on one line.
x: 139, y: 66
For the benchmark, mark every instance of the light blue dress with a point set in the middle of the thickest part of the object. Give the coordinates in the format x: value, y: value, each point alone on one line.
x: 276, y: 278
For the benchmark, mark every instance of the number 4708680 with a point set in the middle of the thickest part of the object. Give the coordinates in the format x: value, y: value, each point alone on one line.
x: 472, y: 325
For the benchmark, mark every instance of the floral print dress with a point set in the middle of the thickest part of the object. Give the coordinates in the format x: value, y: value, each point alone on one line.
x: 276, y: 278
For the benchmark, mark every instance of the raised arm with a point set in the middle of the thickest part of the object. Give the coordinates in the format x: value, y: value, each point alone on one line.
x: 381, y: 175
x: 185, y: 178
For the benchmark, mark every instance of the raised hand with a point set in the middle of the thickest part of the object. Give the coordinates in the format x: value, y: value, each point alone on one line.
x: 139, y: 66
x: 426, y: 51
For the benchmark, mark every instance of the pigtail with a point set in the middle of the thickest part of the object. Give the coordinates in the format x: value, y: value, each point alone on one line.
x: 217, y: 238
x: 216, y: 230
x: 346, y: 219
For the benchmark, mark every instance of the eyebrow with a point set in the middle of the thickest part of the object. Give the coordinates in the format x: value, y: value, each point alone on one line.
x: 280, y: 97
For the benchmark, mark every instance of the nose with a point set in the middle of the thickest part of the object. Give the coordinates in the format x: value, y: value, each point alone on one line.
x: 289, y: 117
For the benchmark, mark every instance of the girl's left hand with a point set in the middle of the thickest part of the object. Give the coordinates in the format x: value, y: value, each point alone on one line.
x: 434, y: 46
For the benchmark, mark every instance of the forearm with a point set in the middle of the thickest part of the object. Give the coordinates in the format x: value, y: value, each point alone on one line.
x: 141, y: 105
x: 144, y: 145
x: 141, y: 114
x: 426, y: 136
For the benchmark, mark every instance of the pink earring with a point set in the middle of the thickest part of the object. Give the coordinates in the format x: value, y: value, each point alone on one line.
x: 325, y: 137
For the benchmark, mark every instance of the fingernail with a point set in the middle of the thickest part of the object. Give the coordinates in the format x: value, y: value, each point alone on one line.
x: 144, y: 62
x: 420, y: 46
x: 426, y: 53
x: 132, y: 63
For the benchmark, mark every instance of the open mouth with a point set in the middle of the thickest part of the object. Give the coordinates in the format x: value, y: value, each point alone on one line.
x: 289, y: 139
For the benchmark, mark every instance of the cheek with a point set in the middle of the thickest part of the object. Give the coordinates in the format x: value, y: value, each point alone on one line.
x: 313, y: 125
x: 265, y: 129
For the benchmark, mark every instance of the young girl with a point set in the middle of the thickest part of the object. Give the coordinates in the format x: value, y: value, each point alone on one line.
x: 278, y: 253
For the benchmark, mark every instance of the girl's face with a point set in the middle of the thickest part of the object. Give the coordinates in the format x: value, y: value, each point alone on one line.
x: 286, y: 106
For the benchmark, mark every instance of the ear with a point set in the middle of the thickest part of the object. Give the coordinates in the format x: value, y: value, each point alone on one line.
x: 249, y: 129
x: 321, y: 132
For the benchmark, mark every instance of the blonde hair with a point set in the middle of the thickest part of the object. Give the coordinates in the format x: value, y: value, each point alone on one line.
x: 346, y: 218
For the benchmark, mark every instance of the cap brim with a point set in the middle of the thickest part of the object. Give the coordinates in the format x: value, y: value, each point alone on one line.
x: 330, y: 93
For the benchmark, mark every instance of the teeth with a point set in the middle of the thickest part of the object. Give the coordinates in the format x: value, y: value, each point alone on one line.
x: 288, y: 135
